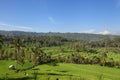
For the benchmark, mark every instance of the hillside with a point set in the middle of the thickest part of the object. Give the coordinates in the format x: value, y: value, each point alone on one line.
x: 78, y: 36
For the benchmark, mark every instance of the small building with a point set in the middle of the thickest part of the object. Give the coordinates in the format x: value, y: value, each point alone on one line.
x: 12, y: 67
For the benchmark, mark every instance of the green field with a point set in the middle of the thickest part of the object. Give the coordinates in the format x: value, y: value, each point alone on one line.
x: 63, y: 71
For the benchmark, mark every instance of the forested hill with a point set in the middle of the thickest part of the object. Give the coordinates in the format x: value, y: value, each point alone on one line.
x: 78, y: 36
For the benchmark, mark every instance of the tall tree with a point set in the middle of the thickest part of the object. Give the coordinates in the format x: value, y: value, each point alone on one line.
x: 103, y: 59
x: 1, y: 46
x: 18, y: 43
x: 1, y: 42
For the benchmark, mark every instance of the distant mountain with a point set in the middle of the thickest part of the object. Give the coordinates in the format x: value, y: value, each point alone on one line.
x: 77, y: 36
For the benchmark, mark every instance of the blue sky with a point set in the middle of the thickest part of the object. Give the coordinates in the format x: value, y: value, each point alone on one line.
x: 82, y: 16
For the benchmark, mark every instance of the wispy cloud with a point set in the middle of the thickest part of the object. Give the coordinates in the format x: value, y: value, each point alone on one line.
x: 52, y: 20
x: 89, y: 31
x: 24, y: 27
x: 4, y: 26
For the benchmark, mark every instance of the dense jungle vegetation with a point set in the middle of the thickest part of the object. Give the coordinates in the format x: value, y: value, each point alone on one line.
x: 51, y: 49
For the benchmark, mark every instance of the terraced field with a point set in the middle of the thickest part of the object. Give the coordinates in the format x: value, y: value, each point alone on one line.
x: 62, y: 71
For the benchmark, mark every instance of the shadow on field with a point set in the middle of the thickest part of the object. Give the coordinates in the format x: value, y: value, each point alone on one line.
x: 23, y: 78
x: 62, y: 71
x: 55, y: 74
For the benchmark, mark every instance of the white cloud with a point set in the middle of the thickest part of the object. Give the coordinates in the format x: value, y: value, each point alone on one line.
x: 105, y: 32
x: 4, y: 26
x: 51, y: 19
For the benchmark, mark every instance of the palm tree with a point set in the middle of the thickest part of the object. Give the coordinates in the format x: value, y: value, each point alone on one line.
x: 1, y: 42
x: 35, y: 54
x: 18, y: 46
x: 1, y: 46
x: 38, y: 56
x: 18, y: 43
x: 103, y: 58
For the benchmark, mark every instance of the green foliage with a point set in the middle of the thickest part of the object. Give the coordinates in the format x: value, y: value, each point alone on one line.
x: 31, y: 51
x: 1, y: 42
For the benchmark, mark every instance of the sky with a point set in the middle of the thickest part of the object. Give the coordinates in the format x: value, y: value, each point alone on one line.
x: 81, y: 16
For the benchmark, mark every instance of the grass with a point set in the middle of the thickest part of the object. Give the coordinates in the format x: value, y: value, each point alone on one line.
x: 89, y: 72
x: 4, y: 69
x: 63, y: 71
